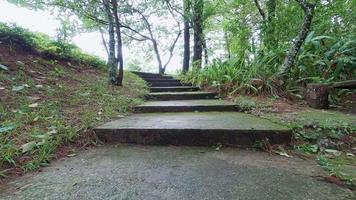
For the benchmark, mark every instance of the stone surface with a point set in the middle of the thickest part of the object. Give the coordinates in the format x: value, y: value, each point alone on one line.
x: 193, y: 128
x: 182, y: 173
x: 165, y: 96
x: 174, y: 89
x: 186, y: 106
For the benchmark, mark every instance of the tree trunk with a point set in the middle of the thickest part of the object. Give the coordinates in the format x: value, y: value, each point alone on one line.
x: 161, y: 70
x: 270, y: 40
x: 206, y: 56
x: 186, y: 58
x: 119, y: 56
x: 293, y: 52
x: 112, y: 63
x: 198, y: 32
x: 317, y: 96
x: 227, y: 45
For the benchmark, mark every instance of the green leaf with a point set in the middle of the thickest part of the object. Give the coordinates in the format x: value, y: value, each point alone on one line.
x: 6, y: 129
x: 28, y: 146
x: 18, y: 88
x: 3, y: 67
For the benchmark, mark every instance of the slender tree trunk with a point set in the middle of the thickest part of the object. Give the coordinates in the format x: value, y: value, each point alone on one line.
x: 270, y: 39
x: 186, y: 57
x: 227, y: 45
x: 304, y: 30
x: 119, y: 56
x: 198, y: 32
x: 112, y: 63
x: 161, y: 70
x: 206, y: 56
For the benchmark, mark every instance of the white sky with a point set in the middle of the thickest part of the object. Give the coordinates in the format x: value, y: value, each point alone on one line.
x: 43, y: 21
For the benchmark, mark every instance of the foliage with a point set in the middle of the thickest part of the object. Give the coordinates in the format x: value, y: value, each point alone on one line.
x: 16, y: 36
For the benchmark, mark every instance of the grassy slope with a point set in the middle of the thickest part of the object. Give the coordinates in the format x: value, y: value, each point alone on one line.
x: 329, y: 136
x: 55, y: 106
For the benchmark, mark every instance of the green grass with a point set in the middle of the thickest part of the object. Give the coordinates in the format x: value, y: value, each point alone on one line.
x: 68, y: 105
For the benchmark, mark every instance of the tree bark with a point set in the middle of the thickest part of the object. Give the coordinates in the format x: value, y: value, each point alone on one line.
x: 112, y: 63
x: 198, y: 33
x: 161, y: 70
x: 119, y: 57
x: 205, y: 48
x: 186, y: 56
x: 304, y: 30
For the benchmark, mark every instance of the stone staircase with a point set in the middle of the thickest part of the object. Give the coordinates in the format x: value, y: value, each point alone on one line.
x: 181, y: 114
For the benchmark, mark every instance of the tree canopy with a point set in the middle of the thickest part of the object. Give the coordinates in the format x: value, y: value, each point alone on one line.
x: 272, y: 40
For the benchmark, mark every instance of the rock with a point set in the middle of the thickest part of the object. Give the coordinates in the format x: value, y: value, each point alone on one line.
x: 326, y: 144
x: 257, y: 82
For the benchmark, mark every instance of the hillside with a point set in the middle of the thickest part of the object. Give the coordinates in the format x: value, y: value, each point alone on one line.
x: 50, y: 99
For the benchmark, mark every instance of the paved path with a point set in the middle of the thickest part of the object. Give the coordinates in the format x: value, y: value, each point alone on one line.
x: 179, y: 172
x: 175, y: 173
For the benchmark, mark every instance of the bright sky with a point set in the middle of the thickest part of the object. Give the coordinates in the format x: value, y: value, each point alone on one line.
x: 45, y: 22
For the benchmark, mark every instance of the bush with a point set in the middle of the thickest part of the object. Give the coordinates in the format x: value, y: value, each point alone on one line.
x: 16, y: 36
x: 322, y: 59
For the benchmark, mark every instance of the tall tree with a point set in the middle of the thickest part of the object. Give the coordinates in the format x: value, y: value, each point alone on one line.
x: 186, y: 18
x: 198, y: 7
x: 308, y: 9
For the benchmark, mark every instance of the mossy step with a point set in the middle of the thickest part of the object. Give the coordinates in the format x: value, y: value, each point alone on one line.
x: 187, y: 106
x: 174, y: 89
x: 165, y: 96
x: 192, y: 128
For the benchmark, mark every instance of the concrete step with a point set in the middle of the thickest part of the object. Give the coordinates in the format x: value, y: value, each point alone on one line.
x: 174, y: 89
x: 150, y: 80
x: 165, y: 96
x: 187, y: 106
x: 192, y: 128
x: 167, y: 84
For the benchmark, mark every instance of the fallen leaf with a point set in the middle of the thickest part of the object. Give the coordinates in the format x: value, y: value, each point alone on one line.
x: 3, y: 67
x: 333, y: 151
x: 350, y: 154
x: 6, y: 128
x: 34, y: 105
x: 39, y: 86
x: 52, y: 132
x: 34, y: 98
x: 71, y: 155
x: 18, y: 88
x: 284, y: 154
x: 20, y: 63
x: 28, y: 146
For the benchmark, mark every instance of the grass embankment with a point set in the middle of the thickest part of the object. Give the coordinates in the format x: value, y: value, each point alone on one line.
x: 49, y: 105
x: 328, y: 136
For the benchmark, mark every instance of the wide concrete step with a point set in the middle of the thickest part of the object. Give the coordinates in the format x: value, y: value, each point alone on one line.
x: 150, y: 80
x: 194, y: 128
x: 167, y: 84
x: 187, y: 106
x: 174, y: 89
x: 165, y: 96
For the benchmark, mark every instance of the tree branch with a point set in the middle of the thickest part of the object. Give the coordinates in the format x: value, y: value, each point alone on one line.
x: 260, y: 10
